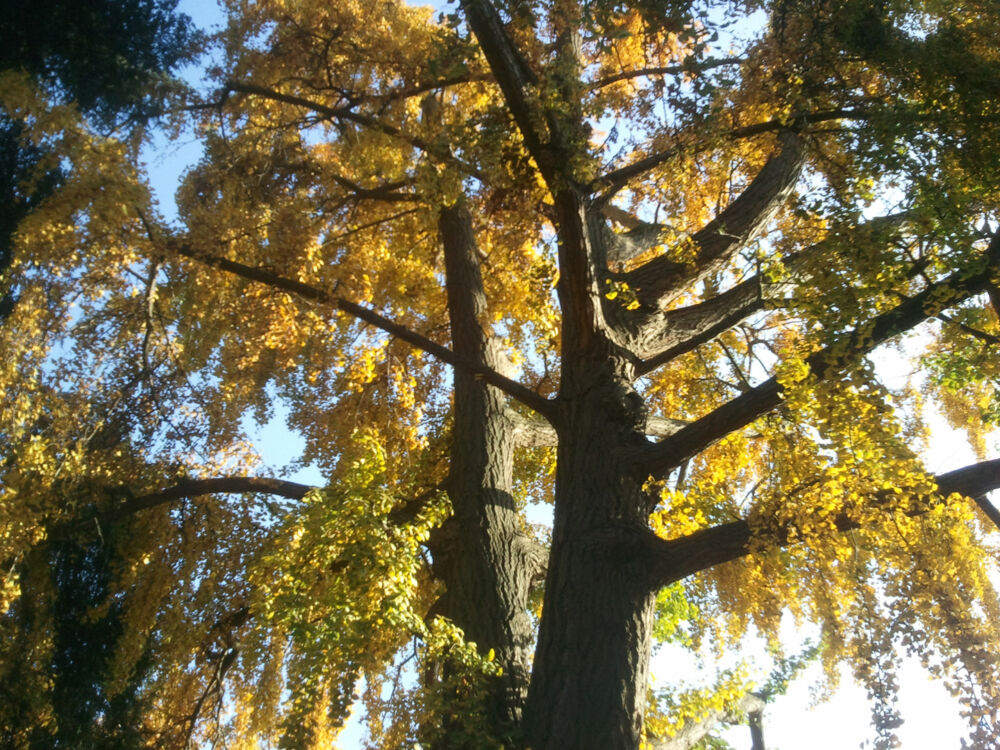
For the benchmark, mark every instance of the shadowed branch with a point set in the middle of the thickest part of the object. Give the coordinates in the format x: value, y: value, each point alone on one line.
x: 675, y: 559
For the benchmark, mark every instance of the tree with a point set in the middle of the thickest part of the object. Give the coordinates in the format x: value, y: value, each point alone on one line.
x: 112, y: 59
x: 665, y: 328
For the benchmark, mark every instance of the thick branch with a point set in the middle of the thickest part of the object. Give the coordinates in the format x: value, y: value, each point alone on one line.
x: 532, y: 433
x: 215, y: 485
x: 664, y: 336
x: 511, y: 387
x: 658, y: 281
x: 516, y: 79
x: 402, y: 514
x: 675, y: 559
x: 388, y: 193
x: 659, y: 337
x: 537, y: 433
x: 660, y: 459
x: 641, y: 236
x: 611, y: 183
x: 185, y: 488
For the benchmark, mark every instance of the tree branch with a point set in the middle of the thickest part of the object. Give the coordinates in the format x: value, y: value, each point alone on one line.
x: 214, y: 485
x: 537, y: 433
x: 188, y: 488
x: 658, y: 281
x: 659, y: 337
x: 640, y: 237
x: 427, y: 86
x: 512, y: 388
x: 613, y: 182
x: 658, y: 460
x: 388, y: 193
x: 347, y: 114
x: 675, y: 559
x: 516, y: 79
x: 185, y: 488
x: 693, y: 732
x: 664, y: 336
x: 689, y: 65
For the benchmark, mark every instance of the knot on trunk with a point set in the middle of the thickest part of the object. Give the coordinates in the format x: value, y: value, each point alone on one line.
x: 624, y: 406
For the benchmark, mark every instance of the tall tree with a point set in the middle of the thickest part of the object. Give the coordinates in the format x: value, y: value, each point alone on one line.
x: 655, y: 275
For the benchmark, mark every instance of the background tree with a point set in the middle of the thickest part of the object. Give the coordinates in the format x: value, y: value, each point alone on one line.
x: 112, y: 61
x: 682, y: 306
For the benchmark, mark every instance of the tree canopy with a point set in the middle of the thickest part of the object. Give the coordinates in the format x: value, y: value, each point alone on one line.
x: 627, y: 260
x: 112, y: 59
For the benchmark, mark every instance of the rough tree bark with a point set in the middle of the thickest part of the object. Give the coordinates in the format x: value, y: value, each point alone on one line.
x: 482, y: 554
x: 589, y: 679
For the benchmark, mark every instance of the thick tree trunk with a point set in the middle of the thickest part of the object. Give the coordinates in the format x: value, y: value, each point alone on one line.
x: 588, y: 686
x: 482, y: 554
x: 590, y: 673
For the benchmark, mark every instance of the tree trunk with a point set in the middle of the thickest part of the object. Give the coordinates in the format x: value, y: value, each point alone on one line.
x: 588, y: 686
x: 589, y: 680
x: 482, y: 553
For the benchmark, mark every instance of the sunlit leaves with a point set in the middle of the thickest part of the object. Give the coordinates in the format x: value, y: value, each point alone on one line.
x: 342, y: 583
x: 672, y: 711
x: 847, y: 491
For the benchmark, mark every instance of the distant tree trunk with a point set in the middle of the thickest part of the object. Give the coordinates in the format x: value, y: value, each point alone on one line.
x: 751, y: 706
x: 756, y: 721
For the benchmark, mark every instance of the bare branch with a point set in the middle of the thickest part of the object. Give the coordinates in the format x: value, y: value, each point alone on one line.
x: 387, y: 193
x: 641, y: 236
x: 423, y: 88
x: 989, y: 509
x: 532, y: 433
x: 621, y: 216
x: 983, y: 336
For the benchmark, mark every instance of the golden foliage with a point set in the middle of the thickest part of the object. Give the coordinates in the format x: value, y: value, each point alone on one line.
x: 340, y: 131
